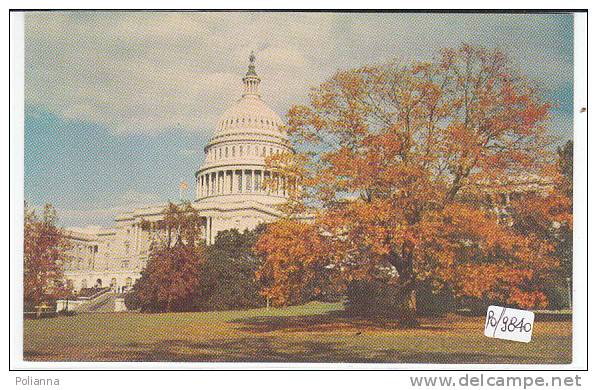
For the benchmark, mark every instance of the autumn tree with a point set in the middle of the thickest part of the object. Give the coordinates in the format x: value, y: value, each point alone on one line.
x: 45, y: 247
x: 295, y: 261
x: 172, y: 276
x: 384, y: 156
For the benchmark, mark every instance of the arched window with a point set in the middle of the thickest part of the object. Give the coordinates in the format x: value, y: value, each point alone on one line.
x: 98, y: 283
x: 233, y: 151
x: 226, y: 152
x: 241, y: 150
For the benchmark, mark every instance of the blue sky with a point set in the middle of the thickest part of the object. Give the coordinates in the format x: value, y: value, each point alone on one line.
x: 120, y: 105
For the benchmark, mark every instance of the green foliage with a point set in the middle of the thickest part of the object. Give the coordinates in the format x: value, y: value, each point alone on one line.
x: 375, y: 298
x: 172, y: 276
x: 185, y: 275
x: 564, y: 235
x: 228, y: 276
x: 566, y: 166
x: 431, y: 303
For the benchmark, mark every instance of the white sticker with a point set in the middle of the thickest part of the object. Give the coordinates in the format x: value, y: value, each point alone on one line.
x: 509, y: 324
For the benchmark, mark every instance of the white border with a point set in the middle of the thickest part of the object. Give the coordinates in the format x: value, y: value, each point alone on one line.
x: 16, y: 158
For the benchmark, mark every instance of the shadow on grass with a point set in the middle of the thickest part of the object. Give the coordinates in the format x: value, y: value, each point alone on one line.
x: 338, y: 320
x: 278, y: 339
x: 266, y: 349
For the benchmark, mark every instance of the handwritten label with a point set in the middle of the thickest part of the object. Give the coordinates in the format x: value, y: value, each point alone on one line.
x: 509, y: 324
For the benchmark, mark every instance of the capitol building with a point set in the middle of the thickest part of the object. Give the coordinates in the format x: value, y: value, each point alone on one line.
x: 229, y: 194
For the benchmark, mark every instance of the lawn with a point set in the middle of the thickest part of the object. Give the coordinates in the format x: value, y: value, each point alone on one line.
x: 316, y: 332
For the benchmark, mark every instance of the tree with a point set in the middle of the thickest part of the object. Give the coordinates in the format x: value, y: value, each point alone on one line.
x: 565, y: 184
x: 45, y: 247
x: 228, y: 276
x: 548, y: 218
x: 295, y: 259
x: 566, y: 168
x: 172, y: 276
x: 385, y: 156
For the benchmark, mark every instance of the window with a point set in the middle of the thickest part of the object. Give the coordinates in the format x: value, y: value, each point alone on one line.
x: 226, y: 153
x: 233, y: 151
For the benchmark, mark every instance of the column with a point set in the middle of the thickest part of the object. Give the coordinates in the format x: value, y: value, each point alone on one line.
x: 259, y: 182
x: 276, y: 183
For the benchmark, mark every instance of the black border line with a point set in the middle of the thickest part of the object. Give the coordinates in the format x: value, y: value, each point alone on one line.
x: 302, y: 10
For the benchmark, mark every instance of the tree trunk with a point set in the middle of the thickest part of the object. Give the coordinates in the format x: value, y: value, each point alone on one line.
x: 403, y: 263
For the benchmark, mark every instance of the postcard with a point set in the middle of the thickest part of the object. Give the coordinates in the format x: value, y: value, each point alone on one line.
x: 300, y: 188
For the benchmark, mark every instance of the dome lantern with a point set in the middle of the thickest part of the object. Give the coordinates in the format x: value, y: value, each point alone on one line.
x: 251, y: 80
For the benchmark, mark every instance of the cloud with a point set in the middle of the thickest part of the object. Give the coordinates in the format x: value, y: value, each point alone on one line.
x: 103, y: 214
x: 153, y: 72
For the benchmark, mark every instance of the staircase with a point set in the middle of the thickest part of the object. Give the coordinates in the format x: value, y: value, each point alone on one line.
x: 100, y: 303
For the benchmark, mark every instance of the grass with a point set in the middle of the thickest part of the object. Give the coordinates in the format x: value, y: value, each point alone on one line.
x: 316, y: 332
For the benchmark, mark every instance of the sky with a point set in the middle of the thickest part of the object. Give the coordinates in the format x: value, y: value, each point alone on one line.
x: 118, y: 105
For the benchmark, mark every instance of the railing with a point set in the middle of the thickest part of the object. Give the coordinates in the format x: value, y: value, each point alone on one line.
x: 100, y: 291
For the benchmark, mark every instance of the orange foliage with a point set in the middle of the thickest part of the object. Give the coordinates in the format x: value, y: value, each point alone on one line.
x: 386, y: 154
x: 44, y: 249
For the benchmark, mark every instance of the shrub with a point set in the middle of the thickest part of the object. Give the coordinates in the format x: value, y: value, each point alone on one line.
x: 377, y: 299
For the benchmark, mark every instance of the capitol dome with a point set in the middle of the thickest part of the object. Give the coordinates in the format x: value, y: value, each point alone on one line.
x: 250, y: 113
x: 247, y: 133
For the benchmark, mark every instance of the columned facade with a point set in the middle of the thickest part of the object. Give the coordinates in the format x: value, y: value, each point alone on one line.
x: 230, y: 193
x: 234, y: 169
